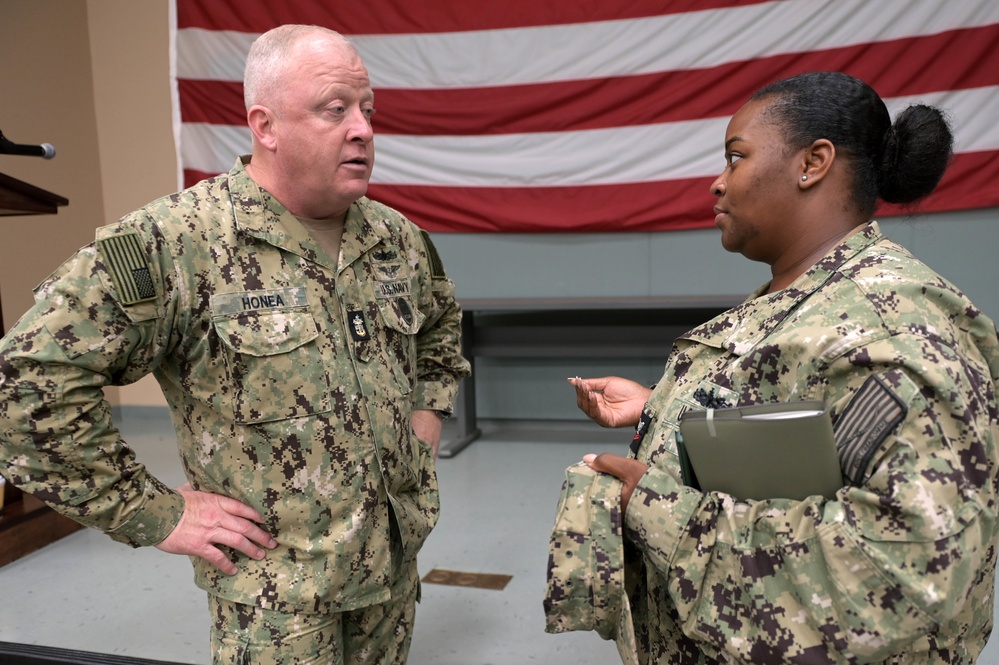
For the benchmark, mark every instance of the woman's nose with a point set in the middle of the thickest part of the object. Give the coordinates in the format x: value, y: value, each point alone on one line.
x: 718, y: 186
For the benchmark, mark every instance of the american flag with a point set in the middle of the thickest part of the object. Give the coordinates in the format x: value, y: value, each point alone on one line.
x: 589, y: 115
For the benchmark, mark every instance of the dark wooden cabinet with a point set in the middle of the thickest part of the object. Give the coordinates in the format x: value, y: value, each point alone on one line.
x: 27, y: 524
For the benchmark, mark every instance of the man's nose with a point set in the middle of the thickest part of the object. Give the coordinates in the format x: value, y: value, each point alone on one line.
x: 360, y: 126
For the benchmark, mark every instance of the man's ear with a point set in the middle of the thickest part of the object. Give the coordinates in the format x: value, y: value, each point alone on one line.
x: 261, y: 122
x: 817, y: 160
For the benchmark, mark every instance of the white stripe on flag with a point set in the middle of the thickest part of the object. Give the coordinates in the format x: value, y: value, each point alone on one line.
x: 610, y: 48
x: 592, y: 157
x: 214, y: 55
x: 645, y: 153
x: 213, y: 148
x: 972, y: 113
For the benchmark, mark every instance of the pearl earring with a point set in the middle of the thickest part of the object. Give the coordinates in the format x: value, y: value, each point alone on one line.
x: 804, y: 178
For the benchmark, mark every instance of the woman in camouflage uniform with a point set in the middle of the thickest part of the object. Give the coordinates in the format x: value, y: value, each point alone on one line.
x: 900, y: 566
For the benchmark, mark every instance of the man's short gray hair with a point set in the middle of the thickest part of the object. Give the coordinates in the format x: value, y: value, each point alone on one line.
x: 268, y: 57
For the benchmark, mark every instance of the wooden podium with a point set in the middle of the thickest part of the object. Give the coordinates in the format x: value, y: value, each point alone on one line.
x: 20, y: 198
x: 27, y: 524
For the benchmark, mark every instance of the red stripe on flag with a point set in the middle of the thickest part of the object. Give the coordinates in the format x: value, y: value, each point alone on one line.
x: 667, y: 205
x: 672, y: 204
x: 971, y: 177
x: 645, y: 99
x: 687, y: 95
x: 194, y: 176
x: 915, y: 68
x: 211, y: 102
x: 405, y: 16
x: 655, y: 206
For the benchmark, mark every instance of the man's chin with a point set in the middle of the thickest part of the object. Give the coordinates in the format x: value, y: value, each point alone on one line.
x: 354, y: 190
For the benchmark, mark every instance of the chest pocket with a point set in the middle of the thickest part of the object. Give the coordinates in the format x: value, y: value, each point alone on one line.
x: 273, y: 362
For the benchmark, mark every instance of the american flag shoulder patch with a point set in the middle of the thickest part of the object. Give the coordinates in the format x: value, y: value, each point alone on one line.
x: 129, y: 268
x: 864, y: 424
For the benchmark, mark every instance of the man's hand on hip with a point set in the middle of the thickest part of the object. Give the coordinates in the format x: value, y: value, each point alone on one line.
x: 212, y: 519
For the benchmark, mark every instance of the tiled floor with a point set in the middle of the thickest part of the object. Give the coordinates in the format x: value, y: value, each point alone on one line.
x: 88, y: 593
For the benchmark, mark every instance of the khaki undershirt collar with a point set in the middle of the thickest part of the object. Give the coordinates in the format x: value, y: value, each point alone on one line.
x: 329, y: 234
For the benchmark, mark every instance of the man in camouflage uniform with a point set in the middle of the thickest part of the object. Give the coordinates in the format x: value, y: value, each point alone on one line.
x: 307, y: 342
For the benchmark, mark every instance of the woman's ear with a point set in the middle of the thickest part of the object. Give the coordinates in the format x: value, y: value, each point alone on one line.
x: 817, y: 160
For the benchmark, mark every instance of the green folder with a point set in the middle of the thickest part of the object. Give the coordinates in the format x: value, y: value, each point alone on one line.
x: 765, y: 451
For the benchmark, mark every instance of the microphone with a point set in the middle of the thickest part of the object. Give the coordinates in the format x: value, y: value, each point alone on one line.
x: 44, y: 150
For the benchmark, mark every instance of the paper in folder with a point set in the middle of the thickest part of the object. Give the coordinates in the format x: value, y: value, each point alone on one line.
x: 764, y: 451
